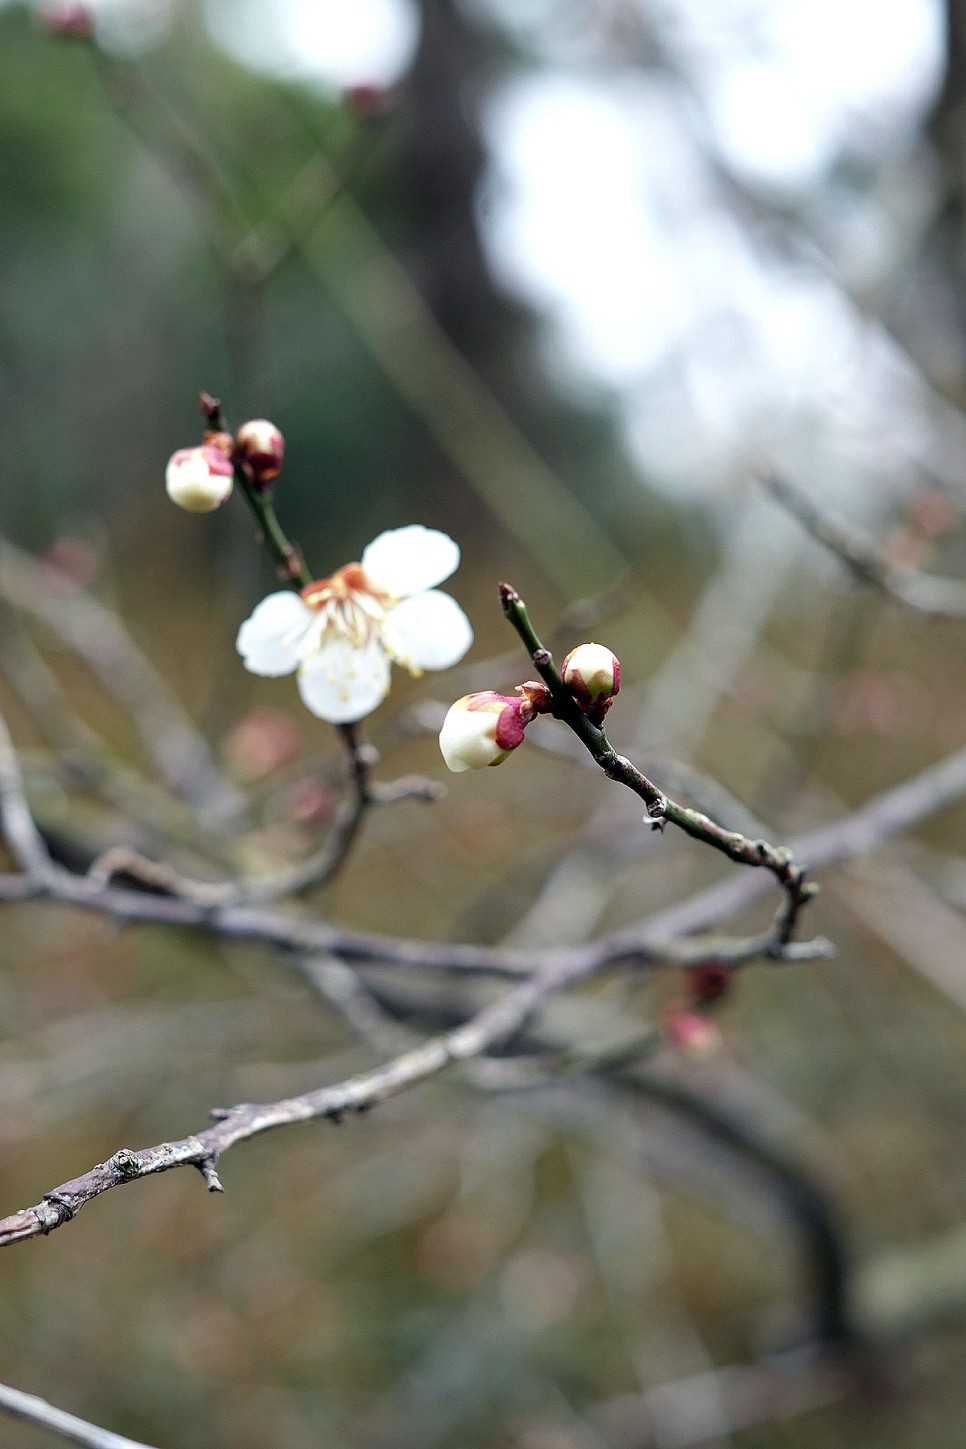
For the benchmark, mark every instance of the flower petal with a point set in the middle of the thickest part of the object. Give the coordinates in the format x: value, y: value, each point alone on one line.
x: 406, y: 561
x: 270, y: 640
x: 427, y: 632
x: 341, y: 683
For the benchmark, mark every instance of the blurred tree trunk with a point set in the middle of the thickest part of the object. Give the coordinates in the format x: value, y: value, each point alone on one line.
x: 946, y: 131
x: 446, y: 160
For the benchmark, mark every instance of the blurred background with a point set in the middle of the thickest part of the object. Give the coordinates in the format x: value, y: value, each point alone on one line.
x: 559, y: 277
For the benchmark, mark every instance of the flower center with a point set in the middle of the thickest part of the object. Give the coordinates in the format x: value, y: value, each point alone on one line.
x: 348, y: 604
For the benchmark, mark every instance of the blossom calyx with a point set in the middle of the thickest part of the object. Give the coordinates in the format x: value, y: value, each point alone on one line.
x: 592, y: 673
x: 481, y: 729
x: 198, y: 479
x: 261, y: 447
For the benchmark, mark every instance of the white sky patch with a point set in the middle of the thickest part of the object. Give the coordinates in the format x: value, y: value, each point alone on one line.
x: 788, y: 84
x: 333, y: 43
x: 577, y: 214
x: 604, y: 213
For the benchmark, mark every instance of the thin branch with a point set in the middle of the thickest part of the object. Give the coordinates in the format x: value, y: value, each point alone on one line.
x: 491, y: 1027
x: 937, y: 598
x: 307, y: 935
x: 296, y: 214
x: 388, y: 313
x: 32, y: 1410
x: 316, y: 870
x: 293, y: 569
x: 693, y: 1412
x: 644, y: 945
x: 872, y: 825
x: 660, y: 809
x: 163, y: 132
x: 802, y: 1200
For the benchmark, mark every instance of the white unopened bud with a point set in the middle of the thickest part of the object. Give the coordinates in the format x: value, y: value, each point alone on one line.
x: 261, y: 447
x: 198, y: 479
x: 481, y: 729
x: 593, y: 675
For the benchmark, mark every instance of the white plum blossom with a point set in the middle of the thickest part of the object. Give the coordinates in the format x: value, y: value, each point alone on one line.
x: 342, y: 633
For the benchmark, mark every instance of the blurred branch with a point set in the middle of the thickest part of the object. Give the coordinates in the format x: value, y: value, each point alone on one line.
x: 643, y: 945
x: 803, y: 734
x: 32, y: 1410
x: 896, y: 1294
x: 22, y: 837
x: 817, y: 1223
x: 492, y: 1026
x: 82, y: 761
x: 467, y: 421
x: 376, y: 292
x: 164, y: 133
x: 939, y: 598
x: 266, y: 248
x: 97, y: 637
x: 803, y: 1202
x: 316, y: 870
x: 691, y: 1413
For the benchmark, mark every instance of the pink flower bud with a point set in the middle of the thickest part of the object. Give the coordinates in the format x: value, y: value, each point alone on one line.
x: 69, y: 564
x: 70, y: 20
x: 481, y: 729
x: 261, y: 447
x: 692, y: 1033
x: 198, y: 479
x: 710, y: 982
x: 265, y: 741
x: 593, y: 675
x: 368, y: 102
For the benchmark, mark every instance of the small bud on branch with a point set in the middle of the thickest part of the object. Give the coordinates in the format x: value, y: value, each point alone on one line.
x: 592, y: 673
x: 481, y: 729
x: 199, y: 479
x: 692, y: 1033
x: 67, y: 21
x: 367, y: 101
x: 260, y: 447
